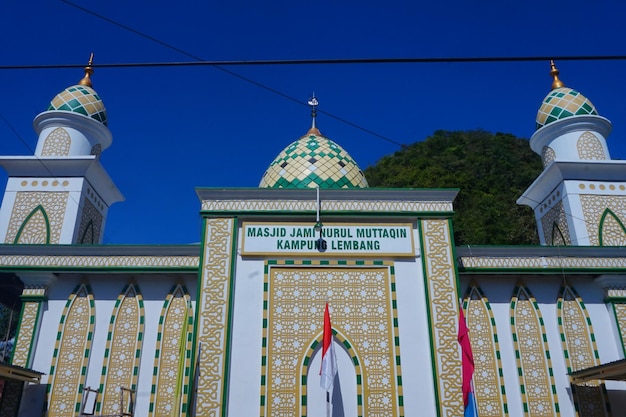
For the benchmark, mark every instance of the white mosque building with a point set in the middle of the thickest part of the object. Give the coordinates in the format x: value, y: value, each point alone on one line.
x: 232, y: 326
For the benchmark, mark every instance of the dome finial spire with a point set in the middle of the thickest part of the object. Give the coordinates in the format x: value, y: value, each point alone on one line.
x: 313, y: 103
x: 554, y: 72
x: 86, y: 81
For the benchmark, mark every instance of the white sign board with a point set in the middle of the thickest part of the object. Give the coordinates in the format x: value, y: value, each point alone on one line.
x: 261, y: 238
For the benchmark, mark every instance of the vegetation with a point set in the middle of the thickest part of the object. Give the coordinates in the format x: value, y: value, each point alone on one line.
x: 490, y: 170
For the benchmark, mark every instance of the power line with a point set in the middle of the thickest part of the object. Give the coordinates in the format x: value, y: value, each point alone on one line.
x: 320, y: 61
x: 317, y: 61
x: 227, y: 71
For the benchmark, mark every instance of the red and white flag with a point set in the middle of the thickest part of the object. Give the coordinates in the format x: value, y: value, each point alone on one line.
x: 329, y: 360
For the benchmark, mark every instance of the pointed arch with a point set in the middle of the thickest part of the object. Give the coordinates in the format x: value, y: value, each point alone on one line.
x: 307, y: 359
x: 537, y: 385
x: 547, y: 156
x: 488, y: 376
x: 611, y: 230
x: 557, y: 236
x: 88, y: 234
x: 122, y: 353
x: 589, y: 147
x: 172, y: 362
x: 580, y: 351
x: 57, y: 143
x: 35, y: 228
x: 71, y: 353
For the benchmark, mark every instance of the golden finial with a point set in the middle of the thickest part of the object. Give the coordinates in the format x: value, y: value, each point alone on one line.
x: 313, y: 130
x: 554, y: 72
x: 86, y: 81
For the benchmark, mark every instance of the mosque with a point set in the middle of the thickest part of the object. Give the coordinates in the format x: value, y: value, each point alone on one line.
x: 233, y: 326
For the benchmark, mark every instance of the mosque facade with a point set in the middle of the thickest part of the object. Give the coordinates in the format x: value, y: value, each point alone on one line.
x: 233, y: 326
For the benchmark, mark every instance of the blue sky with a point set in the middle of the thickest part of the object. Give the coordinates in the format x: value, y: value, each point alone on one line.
x: 175, y: 129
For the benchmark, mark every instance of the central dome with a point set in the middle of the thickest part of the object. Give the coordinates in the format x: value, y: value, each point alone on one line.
x: 313, y: 161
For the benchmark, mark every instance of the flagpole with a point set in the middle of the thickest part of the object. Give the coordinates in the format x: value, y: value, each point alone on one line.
x: 327, y: 404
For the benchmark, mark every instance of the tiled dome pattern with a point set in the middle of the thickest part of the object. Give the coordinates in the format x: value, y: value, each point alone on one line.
x: 80, y: 99
x: 561, y: 103
x: 313, y: 161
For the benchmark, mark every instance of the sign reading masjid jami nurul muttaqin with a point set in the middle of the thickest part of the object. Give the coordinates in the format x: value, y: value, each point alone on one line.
x: 394, y: 239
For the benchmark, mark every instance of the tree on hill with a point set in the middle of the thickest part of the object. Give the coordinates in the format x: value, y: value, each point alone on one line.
x: 490, y: 170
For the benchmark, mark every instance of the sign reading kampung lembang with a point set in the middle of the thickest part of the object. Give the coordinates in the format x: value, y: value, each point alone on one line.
x: 260, y: 238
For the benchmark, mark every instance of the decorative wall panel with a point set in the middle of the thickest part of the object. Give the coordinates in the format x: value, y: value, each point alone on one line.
x: 172, y: 362
x: 547, y: 155
x: 53, y: 205
x: 594, y: 207
x: 71, y: 354
x: 488, y: 377
x: 57, y: 143
x: 580, y: 351
x: 589, y: 147
x: 213, y: 314
x: 612, y: 231
x: 443, y: 305
x: 556, y: 216
x: 619, y: 307
x: 362, y: 301
x: 32, y: 298
x: 536, y: 378
x: 120, y: 368
x: 90, y: 228
x: 327, y: 205
x: 86, y: 261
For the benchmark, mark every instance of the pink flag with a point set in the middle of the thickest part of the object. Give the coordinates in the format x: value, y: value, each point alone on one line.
x: 467, y: 358
x: 329, y: 360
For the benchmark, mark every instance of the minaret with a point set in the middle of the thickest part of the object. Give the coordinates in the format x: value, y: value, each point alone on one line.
x: 62, y: 194
x: 580, y: 197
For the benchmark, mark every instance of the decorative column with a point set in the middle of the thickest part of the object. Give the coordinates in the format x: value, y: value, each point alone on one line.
x: 443, y: 314
x: 33, y: 296
x: 213, y: 315
x: 615, y: 297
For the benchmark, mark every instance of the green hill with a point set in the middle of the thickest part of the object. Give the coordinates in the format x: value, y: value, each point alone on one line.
x: 491, y: 171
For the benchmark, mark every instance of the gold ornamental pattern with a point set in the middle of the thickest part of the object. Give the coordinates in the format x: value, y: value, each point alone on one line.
x: 60, y: 261
x: 590, y: 148
x: 90, y: 227
x: 443, y: 305
x: 547, y: 155
x: 535, y: 368
x: 53, y: 204
x: 362, y: 310
x: 57, y: 143
x: 594, y: 207
x: 327, y: 205
x: 488, y: 381
x: 556, y: 215
x: 120, y: 367
x: 26, y: 333
x: 72, y: 349
x: 580, y: 351
x: 213, y: 313
x: 172, y: 362
x: 545, y: 263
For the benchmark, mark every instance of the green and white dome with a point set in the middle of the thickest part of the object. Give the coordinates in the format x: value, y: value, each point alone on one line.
x: 562, y: 102
x: 313, y: 161
x: 81, y: 99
